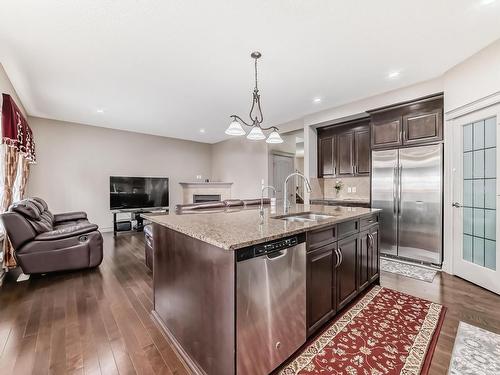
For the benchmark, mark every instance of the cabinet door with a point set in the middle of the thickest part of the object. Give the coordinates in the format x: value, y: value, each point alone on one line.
x: 386, y: 133
x: 374, y: 253
x: 423, y: 127
x: 364, y: 260
x: 362, y: 152
x: 327, y: 163
x: 346, y: 272
x: 345, y: 158
x: 320, y: 286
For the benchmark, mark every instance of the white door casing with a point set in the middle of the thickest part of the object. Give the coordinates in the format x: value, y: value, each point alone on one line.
x: 480, y: 204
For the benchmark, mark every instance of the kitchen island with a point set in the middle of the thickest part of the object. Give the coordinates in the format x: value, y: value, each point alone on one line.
x: 238, y: 294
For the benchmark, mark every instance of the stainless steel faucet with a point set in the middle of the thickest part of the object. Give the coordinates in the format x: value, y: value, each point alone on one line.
x: 286, y: 202
x: 262, y: 200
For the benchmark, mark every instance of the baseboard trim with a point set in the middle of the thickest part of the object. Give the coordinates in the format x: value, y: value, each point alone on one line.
x: 189, y: 362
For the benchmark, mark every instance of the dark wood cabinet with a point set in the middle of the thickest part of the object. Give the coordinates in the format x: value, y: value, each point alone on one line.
x: 341, y: 262
x: 327, y: 157
x: 344, y: 149
x: 423, y: 127
x: 386, y: 132
x: 345, y: 153
x: 347, y: 270
x: 362, y: 152
x: 364, y: 264
x: 374, y: 253
x: 321, y: 297
x: 405, y: 124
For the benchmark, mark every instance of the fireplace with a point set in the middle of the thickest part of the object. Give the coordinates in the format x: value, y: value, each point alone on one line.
x: 200, y: 198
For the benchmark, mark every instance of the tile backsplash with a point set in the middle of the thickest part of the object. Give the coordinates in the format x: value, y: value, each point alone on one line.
x: 353, y: 187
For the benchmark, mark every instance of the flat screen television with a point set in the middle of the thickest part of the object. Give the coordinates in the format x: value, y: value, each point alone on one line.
x: 137, y: 192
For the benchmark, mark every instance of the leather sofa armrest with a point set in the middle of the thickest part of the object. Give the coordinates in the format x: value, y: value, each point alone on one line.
x: 69, y: 216
x: 66, y: 232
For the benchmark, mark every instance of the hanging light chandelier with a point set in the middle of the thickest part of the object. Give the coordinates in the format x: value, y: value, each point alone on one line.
x: 256, y: 117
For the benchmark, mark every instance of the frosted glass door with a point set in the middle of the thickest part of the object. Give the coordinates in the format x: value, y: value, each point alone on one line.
x: 476, y: 197
x: 479, y: 193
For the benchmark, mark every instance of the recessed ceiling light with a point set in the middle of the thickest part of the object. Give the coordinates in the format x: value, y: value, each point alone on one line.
x: 317, y: 100
x: 393, y: 75
x: 487, y: 2
x: 100, y: 110
x: 202, y: 130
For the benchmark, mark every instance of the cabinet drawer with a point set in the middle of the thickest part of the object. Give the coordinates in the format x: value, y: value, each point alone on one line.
x: 366, y: 222
x: 321, y: 237
x: 347, y: 229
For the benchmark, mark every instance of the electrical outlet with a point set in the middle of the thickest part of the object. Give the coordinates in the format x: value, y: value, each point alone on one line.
x: 354, y: 189
x: 198, y: 176
x: 349, y: 189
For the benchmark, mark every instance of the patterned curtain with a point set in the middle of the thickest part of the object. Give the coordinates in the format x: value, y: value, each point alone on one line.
x: 11, y: 158
x: 19, y: 152
x: 24, y: 173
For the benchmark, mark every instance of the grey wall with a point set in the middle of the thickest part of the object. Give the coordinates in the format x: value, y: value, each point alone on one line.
x: 75, y: 162
x: 242, y: 162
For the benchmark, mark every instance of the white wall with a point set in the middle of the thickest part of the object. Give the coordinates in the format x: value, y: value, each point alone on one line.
x: 473, y: 79
x: 242, y: 162
x: 75, y: 162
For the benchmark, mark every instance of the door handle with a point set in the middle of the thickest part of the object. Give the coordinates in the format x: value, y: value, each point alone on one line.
x: 456, y: 205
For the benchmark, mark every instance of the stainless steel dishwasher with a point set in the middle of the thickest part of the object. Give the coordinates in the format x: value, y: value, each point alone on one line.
x: 270, y: 304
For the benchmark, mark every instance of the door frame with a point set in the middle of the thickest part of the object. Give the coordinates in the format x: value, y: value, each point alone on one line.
x: 450, y: 117
x: 272, y: 155
x: 474, y: 273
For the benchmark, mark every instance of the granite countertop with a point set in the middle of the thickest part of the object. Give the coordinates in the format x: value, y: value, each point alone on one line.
x: 343, y: 200
x: 235, y: 228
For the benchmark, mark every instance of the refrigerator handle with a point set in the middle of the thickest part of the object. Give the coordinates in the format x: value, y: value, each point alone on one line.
x: 394, y: 180
x: 400, y: 172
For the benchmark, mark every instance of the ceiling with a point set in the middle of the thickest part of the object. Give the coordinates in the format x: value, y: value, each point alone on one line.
x: 178, y: 67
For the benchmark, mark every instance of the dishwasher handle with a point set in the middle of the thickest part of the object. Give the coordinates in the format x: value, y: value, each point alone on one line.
x: 277, y: 254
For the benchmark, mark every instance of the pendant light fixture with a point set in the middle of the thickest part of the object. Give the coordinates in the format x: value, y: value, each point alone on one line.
x: 257, y: 131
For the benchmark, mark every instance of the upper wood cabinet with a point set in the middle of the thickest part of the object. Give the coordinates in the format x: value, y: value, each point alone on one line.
x: 344, y: 149
x: 362, y: 152
x: 386, y: 132
x: 346, y: 153
x: 423, y: 127
x: 406, y: 124
x: 327, y: 162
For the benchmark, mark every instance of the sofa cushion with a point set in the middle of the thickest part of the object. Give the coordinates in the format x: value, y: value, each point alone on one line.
x: 34, y: 213
x: 27, y: 208
x: 66, y: 231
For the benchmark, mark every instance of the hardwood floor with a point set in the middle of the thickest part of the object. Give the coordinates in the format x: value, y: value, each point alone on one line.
x: 93, y: 322
x: 97, y: 321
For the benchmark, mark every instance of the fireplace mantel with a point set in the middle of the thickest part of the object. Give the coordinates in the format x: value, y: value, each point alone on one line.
x: 189, y: 189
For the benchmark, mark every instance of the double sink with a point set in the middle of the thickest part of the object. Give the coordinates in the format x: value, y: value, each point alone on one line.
x: 304, y: 217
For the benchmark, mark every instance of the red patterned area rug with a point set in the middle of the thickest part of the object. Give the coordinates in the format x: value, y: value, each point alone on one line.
x: 386, y: 332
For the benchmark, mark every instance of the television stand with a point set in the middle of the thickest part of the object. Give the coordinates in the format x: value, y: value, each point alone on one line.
x: 125, y: 225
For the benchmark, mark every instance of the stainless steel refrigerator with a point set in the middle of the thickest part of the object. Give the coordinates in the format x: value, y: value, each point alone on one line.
x: 407, y: 184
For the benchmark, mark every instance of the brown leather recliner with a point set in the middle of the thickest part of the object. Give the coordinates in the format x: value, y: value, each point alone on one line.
x: 44, y: 242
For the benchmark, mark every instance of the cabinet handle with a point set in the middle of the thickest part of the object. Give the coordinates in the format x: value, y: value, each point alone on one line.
x: 341, y: 257
x: 370, y: 241
x: 338, y: 258
x: 334, y: 171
